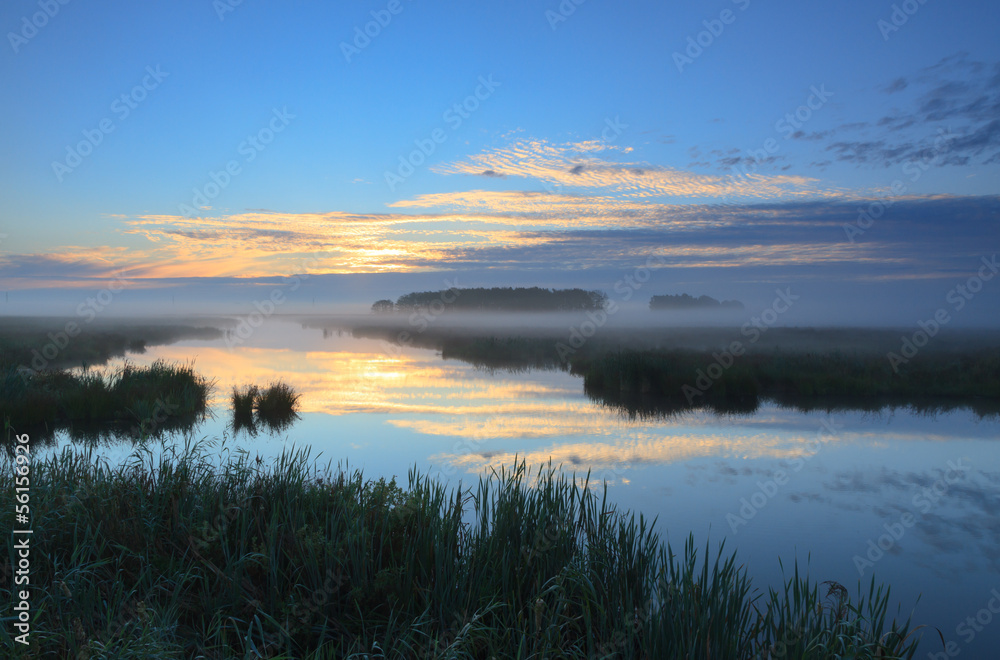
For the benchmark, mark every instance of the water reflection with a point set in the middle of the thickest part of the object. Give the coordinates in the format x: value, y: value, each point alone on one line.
x: 780, y: 483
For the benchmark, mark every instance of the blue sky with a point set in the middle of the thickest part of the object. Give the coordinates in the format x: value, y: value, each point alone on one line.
x: 587, y: 149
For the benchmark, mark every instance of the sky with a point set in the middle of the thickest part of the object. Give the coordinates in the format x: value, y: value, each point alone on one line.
x: 203, y: 149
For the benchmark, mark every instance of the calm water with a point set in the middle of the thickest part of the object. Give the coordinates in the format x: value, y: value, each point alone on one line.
x: 825, y: 489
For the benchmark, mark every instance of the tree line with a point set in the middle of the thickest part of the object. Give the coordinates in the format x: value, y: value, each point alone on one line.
x: 684, y: 302
x: 506, y: 299
x: 533, y: 299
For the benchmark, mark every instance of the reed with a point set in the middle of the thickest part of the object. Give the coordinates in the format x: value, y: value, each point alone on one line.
x: 662, y: 382
x: 206, y: 551
x: 275, y: 402
x: 128, y: 401
x: 273, y: 407
x: 243, y: 400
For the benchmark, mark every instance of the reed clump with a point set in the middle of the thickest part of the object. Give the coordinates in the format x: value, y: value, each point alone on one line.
x: 647, y: 382
x: 274, y: 407
x: 129, y: 400
x: 206, y: 552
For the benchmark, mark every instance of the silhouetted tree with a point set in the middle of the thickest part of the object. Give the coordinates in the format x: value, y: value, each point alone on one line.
x: 684, y: 301
x: 506, y: 299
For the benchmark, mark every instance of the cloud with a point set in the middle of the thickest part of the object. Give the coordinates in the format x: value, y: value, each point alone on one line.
x: 956, y: 98
x: 514, y: 230
x: 897, y: 85
x: 575, y: 166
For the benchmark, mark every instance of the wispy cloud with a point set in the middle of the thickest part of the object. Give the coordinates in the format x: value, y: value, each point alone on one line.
x: 576, y: 166
x: 528, y: 231
x: 949, y: 112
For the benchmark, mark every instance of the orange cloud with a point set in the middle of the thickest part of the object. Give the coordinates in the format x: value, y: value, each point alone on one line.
x: 574, y: 166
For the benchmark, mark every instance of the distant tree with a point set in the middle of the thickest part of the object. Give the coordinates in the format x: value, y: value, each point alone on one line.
x: 507, y: 299
x: 684, y: 301
x: 383, y: 307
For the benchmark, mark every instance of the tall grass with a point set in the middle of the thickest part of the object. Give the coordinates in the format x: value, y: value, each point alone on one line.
x: 127, y: 401
x: 274, y: 407
x: 666, y: 382
x: 243, y: 399
x: 180, y: 557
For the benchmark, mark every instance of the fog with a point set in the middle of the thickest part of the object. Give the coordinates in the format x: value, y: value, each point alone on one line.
x: 802, y: 303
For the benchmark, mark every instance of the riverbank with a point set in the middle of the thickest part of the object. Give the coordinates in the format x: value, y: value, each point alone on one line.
x: 183, y: 555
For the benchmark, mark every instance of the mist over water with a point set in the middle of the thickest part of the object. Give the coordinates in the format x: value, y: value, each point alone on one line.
x: 456, y: 394
x: 762, y: 481
x: 845, y: 303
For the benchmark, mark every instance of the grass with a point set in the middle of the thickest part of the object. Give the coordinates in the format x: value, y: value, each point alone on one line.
x: 132, y: 401
x: 274, y: 407
x: 44, y: 343
x: 651, y: 382
x: 179, y: 556
x: 658, y: 371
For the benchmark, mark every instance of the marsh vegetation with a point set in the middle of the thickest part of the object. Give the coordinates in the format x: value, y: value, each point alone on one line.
x: 184, y: 556
x: 654, y: 371
x: 273, y: 408
x: 128, y: 401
